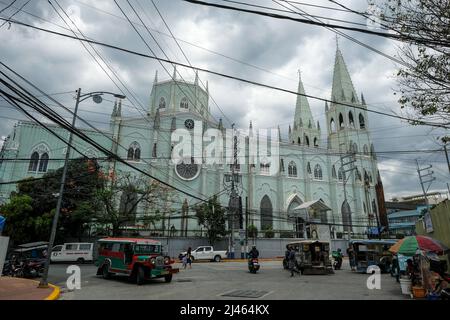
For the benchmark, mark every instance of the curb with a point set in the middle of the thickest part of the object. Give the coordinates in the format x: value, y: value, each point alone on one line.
x: 55, y: 294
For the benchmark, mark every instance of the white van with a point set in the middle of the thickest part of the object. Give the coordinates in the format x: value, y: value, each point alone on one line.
x: 69, y: 252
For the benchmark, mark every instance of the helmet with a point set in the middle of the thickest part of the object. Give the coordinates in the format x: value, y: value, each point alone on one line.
x: 253, y: 247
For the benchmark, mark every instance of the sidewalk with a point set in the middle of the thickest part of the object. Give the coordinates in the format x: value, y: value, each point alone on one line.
x: 25, y: 289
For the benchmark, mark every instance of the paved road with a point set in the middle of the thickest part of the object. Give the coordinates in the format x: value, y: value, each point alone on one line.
x: 206, y: 281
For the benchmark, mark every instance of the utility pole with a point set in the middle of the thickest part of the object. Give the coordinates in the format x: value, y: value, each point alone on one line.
x: 344, y: 178
x: 44, y: 280
x: 446, y: 156
x: 246, y: 226
x: 422, y: 183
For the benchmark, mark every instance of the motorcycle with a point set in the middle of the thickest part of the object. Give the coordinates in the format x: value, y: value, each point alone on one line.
x: 253, y: 265
x: 33, y: 268
x: 337, y: 260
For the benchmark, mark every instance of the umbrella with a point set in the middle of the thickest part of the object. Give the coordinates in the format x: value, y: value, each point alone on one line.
x: 409, y: 245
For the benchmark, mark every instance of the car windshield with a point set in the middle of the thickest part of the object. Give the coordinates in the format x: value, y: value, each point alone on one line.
x: 147, y: 248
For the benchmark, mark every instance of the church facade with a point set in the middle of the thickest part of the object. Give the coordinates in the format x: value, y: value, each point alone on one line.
x: 330, y: 178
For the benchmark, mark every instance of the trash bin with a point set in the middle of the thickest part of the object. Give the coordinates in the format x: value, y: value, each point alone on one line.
x: 405, y: 284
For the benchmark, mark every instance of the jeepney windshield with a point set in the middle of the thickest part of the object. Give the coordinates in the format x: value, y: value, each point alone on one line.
x: 147, y: 248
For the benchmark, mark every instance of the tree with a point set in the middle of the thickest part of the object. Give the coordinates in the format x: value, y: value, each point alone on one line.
x: 78, y: 208
x: 119, y: 201
x: 252, y: 231
x: 211, y: 215
x: 22, y: 223
x: 424, y: 81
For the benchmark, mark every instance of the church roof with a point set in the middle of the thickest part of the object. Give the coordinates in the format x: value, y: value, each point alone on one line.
x: 343, y: 89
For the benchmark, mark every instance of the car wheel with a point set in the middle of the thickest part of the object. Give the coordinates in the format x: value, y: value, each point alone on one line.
x: 168, y: 278
x: 140, y: 276
x: 105, y: 272
x: 217, y: 259
x: 80, y: 260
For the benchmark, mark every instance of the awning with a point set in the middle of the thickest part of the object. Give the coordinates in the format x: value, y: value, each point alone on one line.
x: 302, y: 210
x: 315, y: 204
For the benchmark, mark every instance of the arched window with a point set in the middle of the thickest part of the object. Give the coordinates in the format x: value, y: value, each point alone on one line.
x: 332, y: 125
x: 370, y: 178
x: 154, y: 154
x: 292, y: 169
x: 333, y: 172
x: 308, y: 168
x: 318, y: 172
x: 307, y: 140
x: 362, y: 124
x: 355, y: 148
x: 184, y: 103
x: 264, y: 168
x: 351, y: 121
x: 341, y: 121
x: 366, y: 150
x: 358, y: 174
x: 134, y: 152
x: 341, y: 174
x: 298, y: 140
x: 43, y: 162
x: 346, y: 216
x: 266, y: 213
x: 33, y: 162
x: 316, y: 142
x: 162, y: 103
x: 366, y: 177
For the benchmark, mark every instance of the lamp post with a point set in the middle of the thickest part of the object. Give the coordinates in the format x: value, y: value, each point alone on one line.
x: 97, y: 98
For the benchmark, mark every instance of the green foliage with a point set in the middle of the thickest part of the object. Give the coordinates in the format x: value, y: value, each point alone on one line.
x: 211, y: 216
x: 39, y: 198
x: 22, y: 223
x: 252, y: 231
x: 268, y: 232
x: 425, y: 74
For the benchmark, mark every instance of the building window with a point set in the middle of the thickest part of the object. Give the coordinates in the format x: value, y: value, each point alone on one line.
x: 341, y: 174
x: 298, y: 140
x: 366, y: 150
x: 318, y: 172
x: 43, y: 162
x: 33, y: 162
x: 351, y: 121
x: 316, y: 142
x: 308, y: 168
x: 154, y: 150
x: 362, y: 124
x: 307, y: 140
x: 358, y: 174
x: 264, y: 168
x: 292, y: 169
x: 162, y: 103
x: 184, y: 103
x: 341, y: 121
x: 332, y: 125
x: 134, y: 152
x: 333, y: 172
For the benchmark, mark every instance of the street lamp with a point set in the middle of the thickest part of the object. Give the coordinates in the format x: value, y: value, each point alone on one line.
x: 97, y: 98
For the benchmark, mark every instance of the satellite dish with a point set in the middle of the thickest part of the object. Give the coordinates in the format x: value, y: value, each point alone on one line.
x: 97, y: 98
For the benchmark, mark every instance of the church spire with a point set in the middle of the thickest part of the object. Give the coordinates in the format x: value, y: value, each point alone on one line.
x: 155, y: 81
x: 196, y: 78
x: 302, y: 109
x: 174, y: 77
x: 343, y: 89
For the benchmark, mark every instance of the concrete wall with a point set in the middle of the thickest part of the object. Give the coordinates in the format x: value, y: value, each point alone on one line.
x: 3, y: 249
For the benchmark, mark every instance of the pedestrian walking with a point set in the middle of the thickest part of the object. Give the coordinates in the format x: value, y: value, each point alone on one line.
x: 184, y: 261
x: 351, y: 257
x: 189, y: 257
x: 292, y: 262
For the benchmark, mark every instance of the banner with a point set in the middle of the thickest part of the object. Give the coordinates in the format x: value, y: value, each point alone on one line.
x: 2, y: 223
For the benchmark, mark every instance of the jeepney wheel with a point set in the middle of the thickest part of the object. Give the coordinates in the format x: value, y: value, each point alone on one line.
x: 105, y: 272
x: 168, y: 278
x: 140, y: 276
x: 217, y: 258
x: 80, y: 260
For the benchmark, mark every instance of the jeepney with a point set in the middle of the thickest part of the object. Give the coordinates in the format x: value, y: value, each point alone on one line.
x: 312, y: 256
x: 139, y: 259
x: 372, y: 252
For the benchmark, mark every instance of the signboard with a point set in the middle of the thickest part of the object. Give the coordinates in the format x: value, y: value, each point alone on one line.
x: 2, y: 223
x: 3, y: 249
x: 428, y: 223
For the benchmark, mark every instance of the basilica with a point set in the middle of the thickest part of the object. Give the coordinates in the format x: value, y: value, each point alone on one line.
x: 326, y: 180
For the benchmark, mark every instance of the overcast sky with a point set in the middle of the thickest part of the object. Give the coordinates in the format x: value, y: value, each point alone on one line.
x: 253, y: 47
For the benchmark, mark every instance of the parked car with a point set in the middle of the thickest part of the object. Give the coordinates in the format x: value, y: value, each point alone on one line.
x: 73, y: 252
x: 206, y: 253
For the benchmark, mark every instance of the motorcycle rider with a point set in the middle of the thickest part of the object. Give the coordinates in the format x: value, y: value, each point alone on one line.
x: 254, y: 253
x: 338, y: 263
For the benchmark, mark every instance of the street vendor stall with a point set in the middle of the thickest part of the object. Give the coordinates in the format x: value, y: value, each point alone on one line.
x: 418, y: 278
